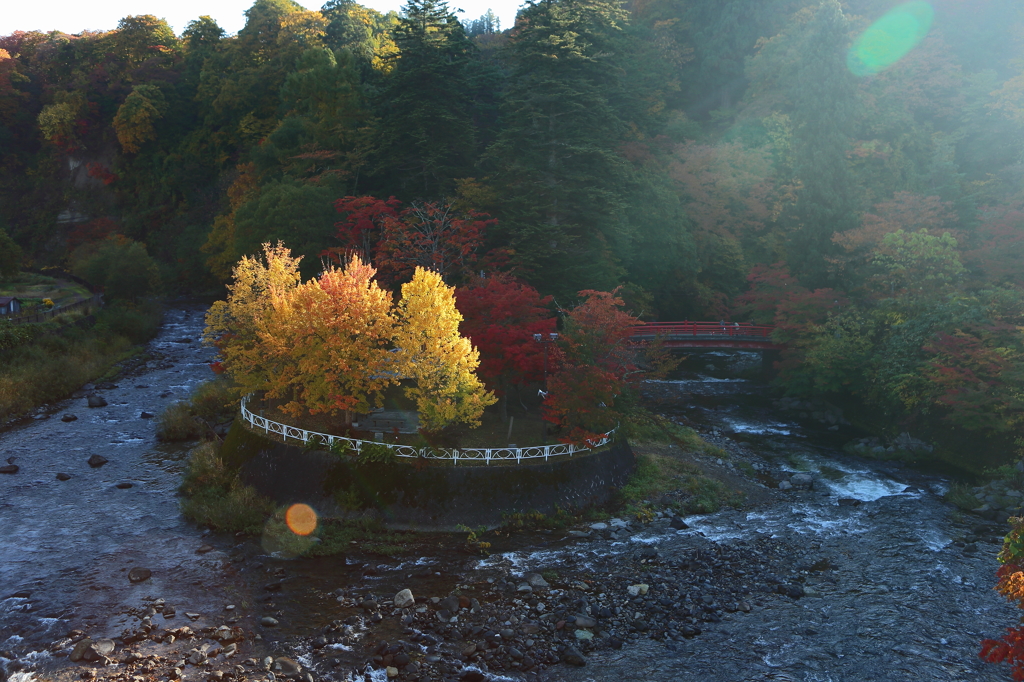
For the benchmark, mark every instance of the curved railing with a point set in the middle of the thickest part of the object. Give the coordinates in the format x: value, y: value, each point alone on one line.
x: 485, y: 455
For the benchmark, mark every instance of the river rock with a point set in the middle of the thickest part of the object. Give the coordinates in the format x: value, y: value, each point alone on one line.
x: 9, y: 469
x: 63, y: 477
x: 146, y: 415
x: 573, y: 657
x: 96, y: 461
x: 197, y: 657
x: 404, y: 599
x: 124, y: 485
x: 585, y: 622
x: 139, y: 574
x: 96, y: 401
x: 792, y: 591
x: 392, y: 672
x: 102, y: 647
x: 584, y: 635
x: 785, y: 485
x: 536, y: 581
x: 450, y: 604
x: 68, y: 418
x: 640, y: 589
x: 78, y: 653
x: 268, y: 622
x: 802, y: 480
x: 678, y: 524
x: 286, y: 666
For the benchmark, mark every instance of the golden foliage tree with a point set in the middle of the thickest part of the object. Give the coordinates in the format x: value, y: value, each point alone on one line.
x: 134, y: 119
x: 433, y: 353
x: 334, y: 336
x: 239, y: 327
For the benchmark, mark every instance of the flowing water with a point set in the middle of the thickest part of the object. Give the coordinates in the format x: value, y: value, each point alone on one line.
x: 66, y: 547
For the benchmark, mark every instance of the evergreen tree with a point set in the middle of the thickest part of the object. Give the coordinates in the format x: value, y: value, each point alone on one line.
x: 557, y: 167
x: 426, y: 134
x: 811, y: 77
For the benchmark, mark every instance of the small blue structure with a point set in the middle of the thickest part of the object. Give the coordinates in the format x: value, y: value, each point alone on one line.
x: 9, y: 305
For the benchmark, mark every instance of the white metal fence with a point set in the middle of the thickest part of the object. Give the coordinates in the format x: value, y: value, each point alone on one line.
x: 485, y: 455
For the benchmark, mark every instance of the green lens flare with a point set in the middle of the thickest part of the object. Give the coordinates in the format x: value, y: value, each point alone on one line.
x: 890, y: 38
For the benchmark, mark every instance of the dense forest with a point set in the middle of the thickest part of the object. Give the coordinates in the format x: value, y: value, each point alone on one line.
x: 848, y: 171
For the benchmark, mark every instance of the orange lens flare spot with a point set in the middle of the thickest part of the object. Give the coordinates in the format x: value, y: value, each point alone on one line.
x: 301, y: 519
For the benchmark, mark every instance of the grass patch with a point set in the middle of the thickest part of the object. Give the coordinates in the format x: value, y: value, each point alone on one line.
x: 177, y: 423
x: 746, y: 467
x: 656, y: 475
x: 214, y: 497
x: 213, y: 402
x: 960, y: 495
x: 51, y: 366
x: 645, y: 427
x: 535, y: 520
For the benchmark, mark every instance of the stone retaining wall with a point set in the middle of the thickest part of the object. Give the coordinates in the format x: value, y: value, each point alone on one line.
x: 436, y: 496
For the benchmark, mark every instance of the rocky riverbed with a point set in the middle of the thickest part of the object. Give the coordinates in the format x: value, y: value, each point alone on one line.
x: 852, y: 570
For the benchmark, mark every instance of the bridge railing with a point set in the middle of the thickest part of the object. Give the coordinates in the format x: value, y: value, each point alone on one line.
x: 702, y: 329
x: 456, y: 455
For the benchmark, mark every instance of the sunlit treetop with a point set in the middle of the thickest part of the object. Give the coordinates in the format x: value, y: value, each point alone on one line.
x: 890, y: 38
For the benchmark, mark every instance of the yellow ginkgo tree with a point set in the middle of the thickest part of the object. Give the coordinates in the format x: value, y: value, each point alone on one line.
x: 441, y: 362
x: 240, y: 327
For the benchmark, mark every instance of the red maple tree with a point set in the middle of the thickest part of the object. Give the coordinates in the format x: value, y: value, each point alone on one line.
x: 500, y: 315
x: 432, y: 235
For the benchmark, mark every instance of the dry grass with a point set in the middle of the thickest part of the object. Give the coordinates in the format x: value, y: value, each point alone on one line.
x: 52, y: 367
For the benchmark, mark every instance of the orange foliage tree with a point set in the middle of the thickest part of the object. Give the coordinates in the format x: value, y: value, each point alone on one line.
x: 320, y: 346
x: 332, y: 336
x: 599, y: 368
x: 1010, y: 649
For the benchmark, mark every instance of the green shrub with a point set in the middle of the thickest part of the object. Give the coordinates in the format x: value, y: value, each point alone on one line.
x: 960, y: 494
x: 137, y: 323
x: 178, y: 423
x: 214, y: 400
x: 14, y: 335
x: 376, y: 453
x: 214, y: 497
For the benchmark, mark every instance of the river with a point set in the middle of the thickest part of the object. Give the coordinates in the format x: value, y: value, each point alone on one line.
x: 887, y: 591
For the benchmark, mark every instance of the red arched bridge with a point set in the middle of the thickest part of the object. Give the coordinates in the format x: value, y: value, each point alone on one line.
x: 708, y: 335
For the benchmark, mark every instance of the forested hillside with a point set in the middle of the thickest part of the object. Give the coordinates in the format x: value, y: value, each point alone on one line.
x: 851, y: 176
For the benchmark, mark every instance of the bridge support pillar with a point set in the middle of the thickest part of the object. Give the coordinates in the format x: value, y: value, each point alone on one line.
x: 768, y: 360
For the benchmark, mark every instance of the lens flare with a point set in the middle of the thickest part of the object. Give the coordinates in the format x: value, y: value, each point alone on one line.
x: 890, y: 38
x: 301, y: 519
